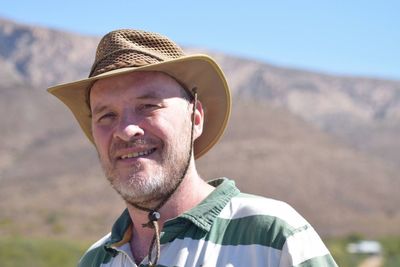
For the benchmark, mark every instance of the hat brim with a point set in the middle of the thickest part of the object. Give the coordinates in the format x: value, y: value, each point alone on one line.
x: 198, y: 71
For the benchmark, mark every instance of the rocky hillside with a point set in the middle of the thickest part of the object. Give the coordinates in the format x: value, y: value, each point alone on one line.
x: 363, y: 112
x: 327, y: 145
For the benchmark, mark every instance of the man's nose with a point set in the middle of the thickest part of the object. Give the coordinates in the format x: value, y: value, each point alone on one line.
x: 128, y: 128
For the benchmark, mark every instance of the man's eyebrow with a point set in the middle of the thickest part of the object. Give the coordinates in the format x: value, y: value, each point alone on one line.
x: 98, y: 109
x: 150, y: 95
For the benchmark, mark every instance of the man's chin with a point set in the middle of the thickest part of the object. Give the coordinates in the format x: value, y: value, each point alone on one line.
x: 137, y: 194
x: 143, y: 201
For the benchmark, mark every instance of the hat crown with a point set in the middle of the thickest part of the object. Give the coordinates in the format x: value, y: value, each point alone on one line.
x: 132, y: 48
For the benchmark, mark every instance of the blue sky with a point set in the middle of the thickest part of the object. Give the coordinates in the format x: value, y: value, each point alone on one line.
x: 359, y: 38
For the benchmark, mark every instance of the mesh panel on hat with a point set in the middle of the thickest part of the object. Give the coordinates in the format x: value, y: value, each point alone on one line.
x: 131, y: 48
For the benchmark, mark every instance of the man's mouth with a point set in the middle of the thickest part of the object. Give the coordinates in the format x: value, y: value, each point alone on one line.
x: 137, y: 154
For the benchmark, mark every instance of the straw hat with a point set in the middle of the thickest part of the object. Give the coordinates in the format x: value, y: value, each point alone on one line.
x: 124, y: 51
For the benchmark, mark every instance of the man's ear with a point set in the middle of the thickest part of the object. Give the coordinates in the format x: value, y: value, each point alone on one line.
x: 198, y: 120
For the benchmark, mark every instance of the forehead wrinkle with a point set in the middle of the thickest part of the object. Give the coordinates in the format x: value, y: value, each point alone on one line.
x: 150, y: 94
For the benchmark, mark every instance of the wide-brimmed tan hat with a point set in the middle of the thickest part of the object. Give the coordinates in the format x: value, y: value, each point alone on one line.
x: 124, y: 51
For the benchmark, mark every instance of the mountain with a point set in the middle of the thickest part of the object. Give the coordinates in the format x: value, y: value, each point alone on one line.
x: 325, y: 144
x: 358, y: 110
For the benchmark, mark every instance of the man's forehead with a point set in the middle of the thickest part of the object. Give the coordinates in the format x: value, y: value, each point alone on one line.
x: 138, y: 85
x: 156, y: 84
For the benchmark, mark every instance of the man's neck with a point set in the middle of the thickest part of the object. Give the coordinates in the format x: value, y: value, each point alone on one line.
x: 190, y: 193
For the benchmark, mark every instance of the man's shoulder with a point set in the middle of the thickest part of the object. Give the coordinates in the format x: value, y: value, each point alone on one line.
x: 275, y: 226
x: 265, y: 211
x: 96, y: 254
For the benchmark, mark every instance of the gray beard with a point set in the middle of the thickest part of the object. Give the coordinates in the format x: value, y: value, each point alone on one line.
x: 163, y: 187
x: 163, y: 195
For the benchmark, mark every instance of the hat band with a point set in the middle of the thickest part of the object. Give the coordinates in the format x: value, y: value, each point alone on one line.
x: 123, y: 58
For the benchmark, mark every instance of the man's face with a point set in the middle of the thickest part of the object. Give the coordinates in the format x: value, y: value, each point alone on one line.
x: 141, y: 127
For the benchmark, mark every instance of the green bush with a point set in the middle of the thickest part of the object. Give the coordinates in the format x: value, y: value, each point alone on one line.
x: 390, y: 246
x: 33, y: 252
x: 391, y: 251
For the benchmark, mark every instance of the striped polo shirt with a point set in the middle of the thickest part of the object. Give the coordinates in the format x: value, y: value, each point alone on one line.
x: 228, y: 228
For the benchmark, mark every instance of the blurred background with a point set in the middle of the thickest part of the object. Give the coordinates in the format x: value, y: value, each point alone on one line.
x: 315, y: 119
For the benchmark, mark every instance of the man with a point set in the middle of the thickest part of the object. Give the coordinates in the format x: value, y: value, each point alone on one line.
x: 150, y: 110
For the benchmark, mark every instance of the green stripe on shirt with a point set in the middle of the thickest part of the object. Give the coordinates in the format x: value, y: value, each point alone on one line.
x: 257, y: 229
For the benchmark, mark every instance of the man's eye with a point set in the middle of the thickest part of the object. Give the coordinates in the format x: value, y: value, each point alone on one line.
x: 106, y: 117
x: 148, y: 107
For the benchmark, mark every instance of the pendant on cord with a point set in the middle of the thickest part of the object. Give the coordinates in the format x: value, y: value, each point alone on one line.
x: 153, y: 216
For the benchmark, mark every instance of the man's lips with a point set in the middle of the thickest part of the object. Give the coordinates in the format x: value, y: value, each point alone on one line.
x: 136, y: 154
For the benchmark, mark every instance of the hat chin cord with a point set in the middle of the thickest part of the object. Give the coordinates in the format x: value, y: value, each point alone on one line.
x: 153, y: 214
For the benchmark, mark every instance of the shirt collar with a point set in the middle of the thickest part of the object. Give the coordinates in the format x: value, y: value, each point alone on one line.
x: 203, y: 215
x: 121, y: 231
